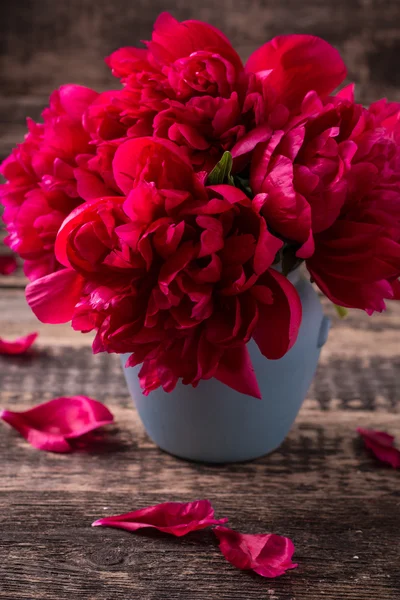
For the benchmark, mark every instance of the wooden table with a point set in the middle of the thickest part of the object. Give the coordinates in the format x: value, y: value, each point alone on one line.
x: 321, y: 488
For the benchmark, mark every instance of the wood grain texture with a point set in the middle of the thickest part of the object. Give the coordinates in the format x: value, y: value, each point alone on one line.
x: 321, y: 488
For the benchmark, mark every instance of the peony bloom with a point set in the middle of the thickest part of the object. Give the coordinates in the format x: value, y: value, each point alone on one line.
x: 290, y: 66
x: 302, y: 169
x: 176, y: 273
x: 41, y: 187
x: 331, y: 182
x: 188, y: 86
x: 357, y: 259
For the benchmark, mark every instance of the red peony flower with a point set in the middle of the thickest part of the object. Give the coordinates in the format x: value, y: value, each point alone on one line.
x: 187, y: 86
x: 175, y: 273
x: 302, y: 169
x: 357, y: 259
x: 330, y: 179
x: 41, y: 187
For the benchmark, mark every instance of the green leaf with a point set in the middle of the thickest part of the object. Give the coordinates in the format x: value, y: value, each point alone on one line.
x: 221, y: 173
x: 341, y: 311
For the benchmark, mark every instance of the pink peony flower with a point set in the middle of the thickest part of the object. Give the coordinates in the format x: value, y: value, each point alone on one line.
x: 41, y: 187
x: 175, y: 273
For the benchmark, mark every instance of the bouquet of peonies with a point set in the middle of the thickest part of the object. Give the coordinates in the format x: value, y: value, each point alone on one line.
x: 166, y: 214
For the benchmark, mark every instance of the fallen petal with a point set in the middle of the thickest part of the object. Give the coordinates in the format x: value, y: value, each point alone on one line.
x: 267, y: 554
x: 176, y: 518
x: 381, y: 444
x: 8, y: 265
x: 18, y: 346
x: 51, y: 425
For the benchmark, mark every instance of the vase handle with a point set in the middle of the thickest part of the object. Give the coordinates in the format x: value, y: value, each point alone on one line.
x: 324, y: 331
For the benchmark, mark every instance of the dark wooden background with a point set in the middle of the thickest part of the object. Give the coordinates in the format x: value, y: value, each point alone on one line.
x: 44, y: 43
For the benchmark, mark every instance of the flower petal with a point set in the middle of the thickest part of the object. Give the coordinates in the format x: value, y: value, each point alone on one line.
x: 18, y: 346
x: 267, y: 554
x: 172, y: 40
x: 50, y: 426
x: 8, y: 265
x: 381, y: 444
x: 235, y: 369
x: 279, y: 321
x: 176, y: 518
x: 53, y: 297
x: 300, y: 64
x: 75, y: 99
x: 133, y: 155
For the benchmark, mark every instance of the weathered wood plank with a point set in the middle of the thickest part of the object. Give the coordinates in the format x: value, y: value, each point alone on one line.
x: 321, y: 488
x: 341, y: 383
x: 55, y: 555
x: 17, y: 319
x: 47, y: 43
x: 322, y: 456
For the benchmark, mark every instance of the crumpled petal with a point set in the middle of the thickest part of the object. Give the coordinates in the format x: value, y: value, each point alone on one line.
x: 51, y: 425
x: 267, y: 554
x: 8, y: 265
x: 176, y: 518
x: 381, y: 444
x: 18, y: 346
x: 53, y: 297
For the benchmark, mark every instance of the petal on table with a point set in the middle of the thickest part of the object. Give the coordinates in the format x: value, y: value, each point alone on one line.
x: 382, y: 445
x: 8, y: 265
x: 51, y: 425
x: 176, y: 518
x: 18, y: 346
x: 267, y: 554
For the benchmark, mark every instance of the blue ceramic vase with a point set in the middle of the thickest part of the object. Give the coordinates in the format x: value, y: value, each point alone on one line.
x: 215, y: 424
